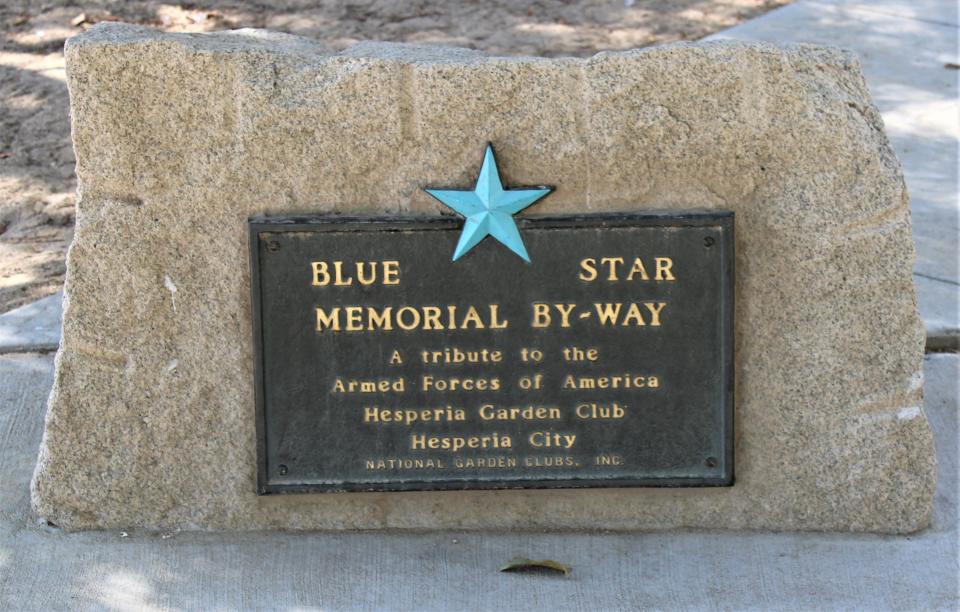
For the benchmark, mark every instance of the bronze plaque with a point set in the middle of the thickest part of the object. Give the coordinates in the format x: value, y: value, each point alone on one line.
x: 382, y: 365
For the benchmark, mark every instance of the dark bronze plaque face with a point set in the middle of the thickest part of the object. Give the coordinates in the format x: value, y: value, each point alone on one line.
x: 384, y: 366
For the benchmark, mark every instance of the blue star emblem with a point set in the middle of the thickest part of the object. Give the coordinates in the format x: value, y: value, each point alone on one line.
x: 489, y: 209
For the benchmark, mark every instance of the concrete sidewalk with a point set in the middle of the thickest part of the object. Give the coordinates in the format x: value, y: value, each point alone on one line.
x: 33, y: 328
x: 904, y: 47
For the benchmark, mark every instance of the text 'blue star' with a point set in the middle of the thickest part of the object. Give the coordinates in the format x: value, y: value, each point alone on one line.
x: 489, y: 209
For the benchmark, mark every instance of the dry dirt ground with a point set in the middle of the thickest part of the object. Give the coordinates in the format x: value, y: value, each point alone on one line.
x: 36, y: 160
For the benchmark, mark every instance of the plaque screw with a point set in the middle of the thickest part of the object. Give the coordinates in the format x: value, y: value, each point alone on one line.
x: 273, y: 246
x: 708, y: 241
x: 711, y: 462
x: 283, y: 470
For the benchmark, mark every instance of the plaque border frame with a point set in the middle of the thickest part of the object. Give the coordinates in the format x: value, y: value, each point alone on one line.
x: 722, y: 219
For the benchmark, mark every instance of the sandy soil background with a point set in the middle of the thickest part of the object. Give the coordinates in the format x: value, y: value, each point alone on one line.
x: 36, y: 159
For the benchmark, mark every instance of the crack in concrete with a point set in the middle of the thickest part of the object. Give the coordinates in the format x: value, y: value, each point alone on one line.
x: 937, y: 278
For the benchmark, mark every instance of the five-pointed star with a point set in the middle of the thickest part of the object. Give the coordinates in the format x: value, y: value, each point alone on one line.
x: 489, y: 209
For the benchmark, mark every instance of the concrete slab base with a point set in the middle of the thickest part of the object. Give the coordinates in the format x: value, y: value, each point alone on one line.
x: 42, y: 568
x: 32, y: 328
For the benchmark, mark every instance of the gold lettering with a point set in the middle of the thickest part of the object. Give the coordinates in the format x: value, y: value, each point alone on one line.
x: 383, y: 320
x: 612, y: 264
x: 320, y: 275
x: 663, y: 268
x: 366, y: 273
x: 564, y: 313
x: 549, y: 439
x: 431, y: 318
x: 600, y: 411
x: 338, y: 275
x: 541, y: 315
x: 608, y: 313
x: 354, y: 318
x: 489, y: 412
x: 620, y: 381
x: 412, y: 324
x: 458, y: 443
x: 397, y: 385
x: 495, y: 322
x: 409, y: 416
x: 431, y: 383
x: 391, y: 273
x: 328, y: 321
x: 588, y: 270
x: 472, y: 317
x: 655, y: 312
x: 638, y: 269
x: 373, y: 272
x: 633, y: 314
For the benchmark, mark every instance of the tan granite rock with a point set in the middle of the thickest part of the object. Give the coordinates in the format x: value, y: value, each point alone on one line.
x: 179, y: 138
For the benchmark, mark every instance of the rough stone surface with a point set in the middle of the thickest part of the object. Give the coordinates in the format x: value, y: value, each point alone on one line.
x: 179, y: 138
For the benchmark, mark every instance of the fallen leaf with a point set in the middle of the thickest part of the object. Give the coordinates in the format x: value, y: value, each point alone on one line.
x: 5, y: 154
x: 521, y: 564
x: 79, y: 20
